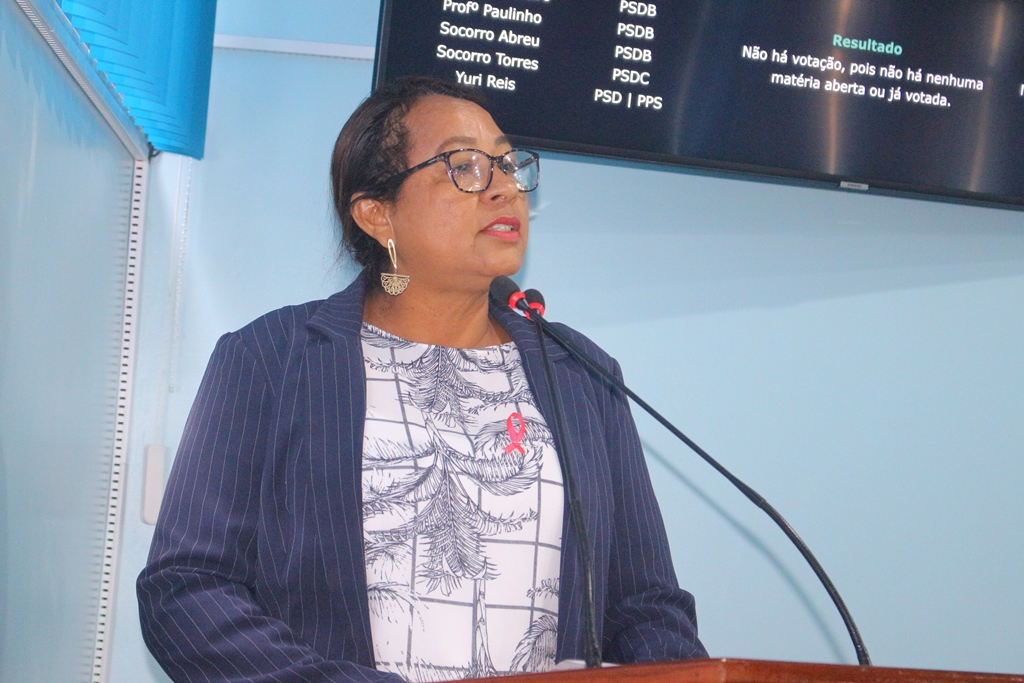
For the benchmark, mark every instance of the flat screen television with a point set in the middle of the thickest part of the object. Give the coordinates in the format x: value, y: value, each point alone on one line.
x: 924, y: 97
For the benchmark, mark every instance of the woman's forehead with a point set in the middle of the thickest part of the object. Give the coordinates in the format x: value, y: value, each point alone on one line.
x: 437, y: 123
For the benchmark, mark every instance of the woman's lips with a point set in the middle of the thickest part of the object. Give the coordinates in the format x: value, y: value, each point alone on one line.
x: 505, y: 228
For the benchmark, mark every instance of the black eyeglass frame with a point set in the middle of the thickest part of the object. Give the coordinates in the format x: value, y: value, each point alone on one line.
x: 495, y: 161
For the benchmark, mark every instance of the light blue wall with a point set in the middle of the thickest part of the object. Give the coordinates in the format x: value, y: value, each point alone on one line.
x: 65, y: 188
x: 352, y: 22
x: 855, y: 358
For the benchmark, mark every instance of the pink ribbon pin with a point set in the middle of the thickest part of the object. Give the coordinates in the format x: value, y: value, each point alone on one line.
x: 516, y: 434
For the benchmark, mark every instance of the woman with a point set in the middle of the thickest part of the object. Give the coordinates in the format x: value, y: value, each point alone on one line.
x: 367, y: 488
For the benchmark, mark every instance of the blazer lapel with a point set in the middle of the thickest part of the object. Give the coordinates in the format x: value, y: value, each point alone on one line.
x: 336, y: 398
x: 571, y: 628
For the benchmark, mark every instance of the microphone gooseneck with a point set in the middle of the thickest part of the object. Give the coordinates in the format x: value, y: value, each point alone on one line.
x: 524, y: 303
x: 505, y: 292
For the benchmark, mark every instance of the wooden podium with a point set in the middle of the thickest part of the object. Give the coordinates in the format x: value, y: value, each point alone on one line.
x: 754, y: 671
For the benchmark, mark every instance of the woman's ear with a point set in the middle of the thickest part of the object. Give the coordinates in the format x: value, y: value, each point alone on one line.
x: 371, y: 215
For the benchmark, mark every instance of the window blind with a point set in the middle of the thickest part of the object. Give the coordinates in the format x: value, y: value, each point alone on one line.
x: 157, y: 55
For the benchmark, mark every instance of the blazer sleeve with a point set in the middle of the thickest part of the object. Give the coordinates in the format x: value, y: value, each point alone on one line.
x: 647, y: 617
x: 197, y: 603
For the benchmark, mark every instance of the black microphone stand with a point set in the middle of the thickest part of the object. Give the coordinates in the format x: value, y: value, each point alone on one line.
x: 592, y: 649
x: 536, y: 314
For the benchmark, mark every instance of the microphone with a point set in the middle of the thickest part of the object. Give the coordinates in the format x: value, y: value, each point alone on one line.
x: 506, y: 292
x: 532, y: 300
x: 535, y: 300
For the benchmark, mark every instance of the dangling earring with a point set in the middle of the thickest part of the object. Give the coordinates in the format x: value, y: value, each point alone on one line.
x: 393, y: 283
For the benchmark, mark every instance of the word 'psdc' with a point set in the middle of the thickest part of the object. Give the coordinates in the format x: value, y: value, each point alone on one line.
x: 631, y: 76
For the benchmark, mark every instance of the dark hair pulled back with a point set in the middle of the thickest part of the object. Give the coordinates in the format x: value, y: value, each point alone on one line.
x: 371, y: 148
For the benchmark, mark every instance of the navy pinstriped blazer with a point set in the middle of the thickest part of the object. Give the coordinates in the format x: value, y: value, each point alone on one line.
x: 256, y: 571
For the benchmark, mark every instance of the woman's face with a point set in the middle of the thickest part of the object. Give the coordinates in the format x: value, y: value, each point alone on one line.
x: 446, y: 239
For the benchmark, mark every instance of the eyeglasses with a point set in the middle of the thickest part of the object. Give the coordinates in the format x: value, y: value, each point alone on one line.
x: 472, y: 170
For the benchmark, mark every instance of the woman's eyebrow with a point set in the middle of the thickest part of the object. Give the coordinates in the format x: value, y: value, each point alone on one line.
x: 447, y: 143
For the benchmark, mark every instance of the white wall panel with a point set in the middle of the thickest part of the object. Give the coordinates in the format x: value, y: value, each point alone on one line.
x: 65, y: 192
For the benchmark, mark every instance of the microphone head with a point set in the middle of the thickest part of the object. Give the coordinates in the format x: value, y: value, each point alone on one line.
x: 502, y: 289
x: 535, y: 300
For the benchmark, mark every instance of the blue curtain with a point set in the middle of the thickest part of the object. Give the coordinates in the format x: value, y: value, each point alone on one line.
x: 157, y: 55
